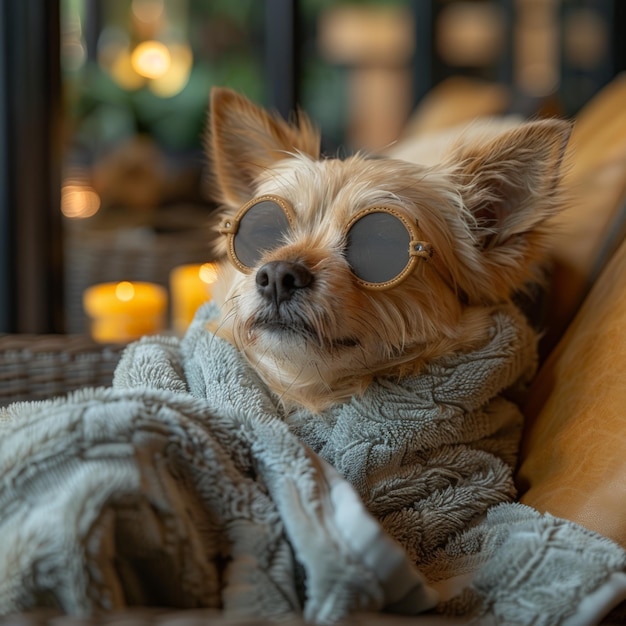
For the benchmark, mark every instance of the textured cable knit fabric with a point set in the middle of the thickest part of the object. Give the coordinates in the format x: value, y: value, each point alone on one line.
x: 185, y: 485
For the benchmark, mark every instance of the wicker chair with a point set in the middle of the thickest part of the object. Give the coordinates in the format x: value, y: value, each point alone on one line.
x: 36, y: 367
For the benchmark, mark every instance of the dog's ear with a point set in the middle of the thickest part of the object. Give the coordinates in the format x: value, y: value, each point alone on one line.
x: 510, y: 188
x: 244, y: 140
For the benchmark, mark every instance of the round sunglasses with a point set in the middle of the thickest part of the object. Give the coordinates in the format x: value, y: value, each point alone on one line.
x: 382, y: 245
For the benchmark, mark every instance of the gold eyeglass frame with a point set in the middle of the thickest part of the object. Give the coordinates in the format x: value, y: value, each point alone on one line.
x: 418, y: 249
x: 230, y: 226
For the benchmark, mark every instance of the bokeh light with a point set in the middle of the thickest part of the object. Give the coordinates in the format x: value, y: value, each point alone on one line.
x: 151, y: 59
x: 124, y: 291
x: 208, y: 273
x: 79, y: 200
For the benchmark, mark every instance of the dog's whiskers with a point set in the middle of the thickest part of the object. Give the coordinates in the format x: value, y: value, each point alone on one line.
x: 222, y: 324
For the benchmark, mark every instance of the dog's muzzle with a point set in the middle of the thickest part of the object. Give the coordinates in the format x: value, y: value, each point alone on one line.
x: 279, y: 281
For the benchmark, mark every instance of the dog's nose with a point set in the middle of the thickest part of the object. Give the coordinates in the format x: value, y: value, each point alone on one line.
x: 277, y: 281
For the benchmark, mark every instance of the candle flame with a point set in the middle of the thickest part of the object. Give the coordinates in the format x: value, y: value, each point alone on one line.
x: 207, y: 273
x: 124, y: 291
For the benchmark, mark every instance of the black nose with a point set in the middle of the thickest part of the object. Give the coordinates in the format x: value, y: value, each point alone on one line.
x: 277, y: 281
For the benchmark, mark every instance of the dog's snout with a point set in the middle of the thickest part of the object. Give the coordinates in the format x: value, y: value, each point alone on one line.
x: 278, y: 281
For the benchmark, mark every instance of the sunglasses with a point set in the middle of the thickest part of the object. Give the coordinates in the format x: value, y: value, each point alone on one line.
x: 382, y: 245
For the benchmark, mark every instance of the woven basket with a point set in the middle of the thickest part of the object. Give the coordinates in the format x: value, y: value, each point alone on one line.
x: 36, y: 367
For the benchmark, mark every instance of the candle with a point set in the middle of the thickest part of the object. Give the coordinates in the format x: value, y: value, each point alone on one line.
x: 190, y: 286
x: 125, y: 311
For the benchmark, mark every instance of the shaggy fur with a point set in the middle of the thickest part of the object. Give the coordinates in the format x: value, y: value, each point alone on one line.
x: 484, y: 208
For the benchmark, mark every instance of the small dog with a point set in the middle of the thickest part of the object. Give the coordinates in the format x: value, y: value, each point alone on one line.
x: 338, y: 271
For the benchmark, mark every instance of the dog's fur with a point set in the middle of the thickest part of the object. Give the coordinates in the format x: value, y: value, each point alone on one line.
x: 484, y: 208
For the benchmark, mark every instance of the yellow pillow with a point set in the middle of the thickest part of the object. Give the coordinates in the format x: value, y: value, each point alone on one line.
x: 573, y: 461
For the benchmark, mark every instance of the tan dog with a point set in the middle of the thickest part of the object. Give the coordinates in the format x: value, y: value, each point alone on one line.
x: 337, y: 271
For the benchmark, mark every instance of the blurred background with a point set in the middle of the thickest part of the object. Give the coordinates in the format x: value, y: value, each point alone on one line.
x: 103, y: 106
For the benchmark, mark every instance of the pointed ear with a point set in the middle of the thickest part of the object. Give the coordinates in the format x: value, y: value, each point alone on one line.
x: 510, y: 188
x: 244, y: 140
x: 507, y: 182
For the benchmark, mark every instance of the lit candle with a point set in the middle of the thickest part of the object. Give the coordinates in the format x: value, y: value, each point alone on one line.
x: 125, y: 311
x: 190, y: 286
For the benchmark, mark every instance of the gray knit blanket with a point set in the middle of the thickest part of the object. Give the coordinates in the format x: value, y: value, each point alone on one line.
x: 185, y: 485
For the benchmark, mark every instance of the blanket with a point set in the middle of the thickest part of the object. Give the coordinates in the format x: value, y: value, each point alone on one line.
x: 186, y: 485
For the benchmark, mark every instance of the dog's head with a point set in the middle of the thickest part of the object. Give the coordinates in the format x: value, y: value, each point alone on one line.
x: 338, y: 270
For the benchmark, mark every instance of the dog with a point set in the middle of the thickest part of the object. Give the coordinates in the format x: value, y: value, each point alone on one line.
x: 336, y: 271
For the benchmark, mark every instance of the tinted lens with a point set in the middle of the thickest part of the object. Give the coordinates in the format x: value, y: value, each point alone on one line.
x: 261, y: 228
x: 378, y: 247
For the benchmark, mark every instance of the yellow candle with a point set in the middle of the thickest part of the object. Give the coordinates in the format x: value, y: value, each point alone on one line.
x: 125, y: 311
x: 190, y: 286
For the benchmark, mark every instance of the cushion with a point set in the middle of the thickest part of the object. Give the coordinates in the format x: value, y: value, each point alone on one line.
x: 573, y: 462
x: 595, y: 180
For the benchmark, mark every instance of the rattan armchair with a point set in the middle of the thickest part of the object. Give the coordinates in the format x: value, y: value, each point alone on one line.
x: 36, y: 367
